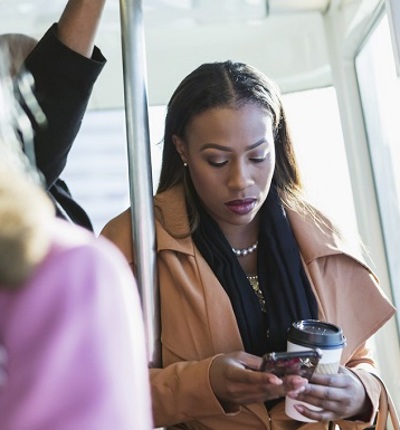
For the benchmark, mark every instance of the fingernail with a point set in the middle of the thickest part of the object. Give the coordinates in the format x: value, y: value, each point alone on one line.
x: 294, y: 394
x: 299, y: 408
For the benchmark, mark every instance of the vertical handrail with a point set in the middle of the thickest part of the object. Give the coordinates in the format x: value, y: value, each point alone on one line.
x: 139, y: 169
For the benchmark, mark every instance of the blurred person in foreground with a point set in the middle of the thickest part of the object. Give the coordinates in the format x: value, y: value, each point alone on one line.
x: 72, y: 346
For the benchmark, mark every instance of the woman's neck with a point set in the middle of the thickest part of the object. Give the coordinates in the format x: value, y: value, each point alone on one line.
x: 249, y: 264
x: 241, y: 236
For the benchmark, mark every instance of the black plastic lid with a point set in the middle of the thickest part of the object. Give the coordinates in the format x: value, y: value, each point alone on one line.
x: 317, y: 334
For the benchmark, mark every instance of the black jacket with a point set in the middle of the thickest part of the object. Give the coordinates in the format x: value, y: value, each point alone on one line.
x: 64, y: 81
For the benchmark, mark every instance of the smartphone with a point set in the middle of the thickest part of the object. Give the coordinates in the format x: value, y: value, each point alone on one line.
x: 301, y: 363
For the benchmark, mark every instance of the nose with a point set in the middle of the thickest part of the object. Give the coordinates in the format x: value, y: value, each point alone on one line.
x: 239, y: 176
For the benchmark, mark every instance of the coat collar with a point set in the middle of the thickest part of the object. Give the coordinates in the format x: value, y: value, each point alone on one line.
x: 317, y: 237
x: 314, y: 233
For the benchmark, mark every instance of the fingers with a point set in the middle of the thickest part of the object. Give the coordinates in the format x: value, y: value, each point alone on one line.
x: 337, y: 396
x: 322, y: 400
x: 249, y: 361
x: 322, y: 391
x: 315, y: 415
x: 294, y: 382
x: 232, y: 380
x: 338, y: 379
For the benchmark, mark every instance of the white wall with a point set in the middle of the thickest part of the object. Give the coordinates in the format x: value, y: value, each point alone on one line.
x: 289, y: 48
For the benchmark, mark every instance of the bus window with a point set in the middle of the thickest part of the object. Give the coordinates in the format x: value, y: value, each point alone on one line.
x: 380, y: 95
x: 97, y: 168
x: 317, y: 133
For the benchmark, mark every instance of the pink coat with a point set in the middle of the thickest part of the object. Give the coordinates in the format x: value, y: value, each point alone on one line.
x: 198, y: 322
x: 74, y: 342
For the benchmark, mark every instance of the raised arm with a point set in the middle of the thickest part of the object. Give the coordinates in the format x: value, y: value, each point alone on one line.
x: 65, y: 65
x: 78, y: 25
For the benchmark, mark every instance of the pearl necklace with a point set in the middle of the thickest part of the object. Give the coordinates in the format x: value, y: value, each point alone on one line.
x: 245, y: 251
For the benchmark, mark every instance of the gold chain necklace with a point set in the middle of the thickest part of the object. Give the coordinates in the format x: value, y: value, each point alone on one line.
x: 253, y: 280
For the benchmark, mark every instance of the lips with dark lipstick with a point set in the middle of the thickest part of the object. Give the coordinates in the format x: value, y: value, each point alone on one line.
x: 241, y: 207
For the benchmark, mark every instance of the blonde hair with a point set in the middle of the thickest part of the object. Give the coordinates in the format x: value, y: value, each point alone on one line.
x: 25, y: 212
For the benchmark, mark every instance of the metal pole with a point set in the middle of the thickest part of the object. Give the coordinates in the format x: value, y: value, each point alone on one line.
x: 139, y: 168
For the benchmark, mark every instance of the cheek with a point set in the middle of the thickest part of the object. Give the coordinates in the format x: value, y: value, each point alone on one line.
x: 271, y: 169
x: 201, y: 179
x: 265, y: 175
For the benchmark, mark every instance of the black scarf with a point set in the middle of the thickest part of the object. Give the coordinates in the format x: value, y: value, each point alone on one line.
x: 280, y: 273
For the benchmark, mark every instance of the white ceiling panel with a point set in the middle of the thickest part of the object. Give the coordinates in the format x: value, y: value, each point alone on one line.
x: 32, y: 16
x: 285, y: 38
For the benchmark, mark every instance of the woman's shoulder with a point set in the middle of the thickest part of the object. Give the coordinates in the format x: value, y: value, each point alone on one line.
x: 319, y: 235
x: 119, y: 231
x: 118, y: 224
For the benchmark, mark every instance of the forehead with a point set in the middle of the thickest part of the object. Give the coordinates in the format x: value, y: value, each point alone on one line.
x: 248, y: 123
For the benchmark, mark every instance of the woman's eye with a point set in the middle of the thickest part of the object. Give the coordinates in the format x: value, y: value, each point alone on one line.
x: 257, y: 159
x: 217, y: 163
x: 259, y: 156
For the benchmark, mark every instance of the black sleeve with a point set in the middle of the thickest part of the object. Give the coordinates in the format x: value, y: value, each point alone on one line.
x: 64, y: 81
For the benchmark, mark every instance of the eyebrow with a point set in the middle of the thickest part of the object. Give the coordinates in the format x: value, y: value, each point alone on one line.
x: 227, y: 149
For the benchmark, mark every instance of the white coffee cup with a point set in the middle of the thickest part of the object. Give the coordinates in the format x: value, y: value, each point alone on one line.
x: 311, y: 334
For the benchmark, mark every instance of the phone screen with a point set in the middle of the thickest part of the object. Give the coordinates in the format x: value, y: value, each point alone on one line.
x: 281, y: 364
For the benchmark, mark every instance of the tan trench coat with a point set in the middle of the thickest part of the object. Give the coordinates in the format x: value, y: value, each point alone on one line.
x: 198, y: 321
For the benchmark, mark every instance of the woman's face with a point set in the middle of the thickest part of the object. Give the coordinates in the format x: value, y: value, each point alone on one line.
x: 231, y: 158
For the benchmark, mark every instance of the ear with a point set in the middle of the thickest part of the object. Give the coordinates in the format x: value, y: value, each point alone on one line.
x: 180, y: 146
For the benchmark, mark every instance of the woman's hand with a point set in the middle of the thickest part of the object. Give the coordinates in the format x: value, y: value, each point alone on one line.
x: 340, y: 396
x: 235, y: 379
